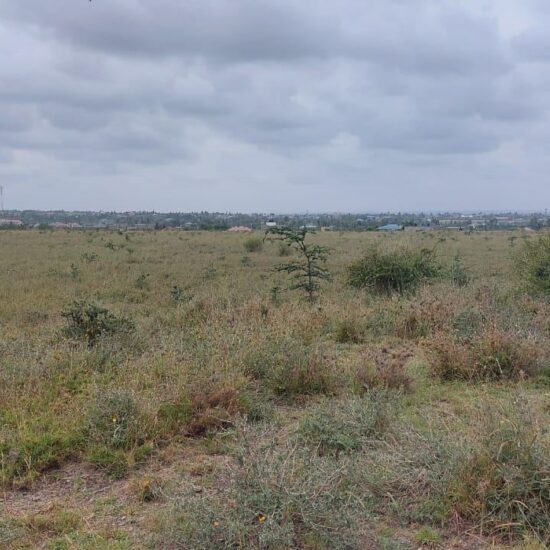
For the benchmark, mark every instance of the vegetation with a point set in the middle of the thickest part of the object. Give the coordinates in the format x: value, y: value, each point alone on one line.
x: 174, y: 397
x: 89, y: 321
x: 533, y: 262
x: 399, y: 270
x: 253, y: 244
x: 309, y: 269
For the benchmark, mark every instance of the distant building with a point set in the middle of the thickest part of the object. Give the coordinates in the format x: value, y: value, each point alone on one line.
x: 271, y: 223
x: 61, y: 225
x: 239, y: 229
x: 390, y: 227
x: 12, y: 223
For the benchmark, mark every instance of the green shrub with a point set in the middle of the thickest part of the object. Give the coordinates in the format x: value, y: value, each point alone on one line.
x: 533, y: 264
x: 253, y: 244
x: 393, y: 271
x: 90, y: 257
x: 89, y: 321
x: 180, y: 295
x: 142, y: 281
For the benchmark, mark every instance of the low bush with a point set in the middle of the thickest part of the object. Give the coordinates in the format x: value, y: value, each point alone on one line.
x: 492, y: 354
x: 253, y: 244
x: 180, y: 295
x: 383, y: 369
x: 398, y: 271
x: 213, y: 410
x: 10, y: 531
x: 302, y: 370
x: 285, y: 362
x: 348, y: 331
x: 533, y: 264
x: 467, y: 323
x: 88, y: 321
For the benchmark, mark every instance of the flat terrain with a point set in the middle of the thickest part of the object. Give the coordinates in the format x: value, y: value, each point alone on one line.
x: 215, y: 409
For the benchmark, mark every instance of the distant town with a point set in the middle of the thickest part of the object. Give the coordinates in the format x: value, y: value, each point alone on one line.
x: 212, y: 221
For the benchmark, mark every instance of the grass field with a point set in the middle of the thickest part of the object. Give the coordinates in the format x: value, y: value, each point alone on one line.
x: 217, y: 410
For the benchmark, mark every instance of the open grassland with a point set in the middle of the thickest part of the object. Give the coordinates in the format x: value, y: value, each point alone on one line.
x: 214, y: 409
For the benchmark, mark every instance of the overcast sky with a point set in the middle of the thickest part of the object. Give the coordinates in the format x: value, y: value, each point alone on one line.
x: 275, y: 105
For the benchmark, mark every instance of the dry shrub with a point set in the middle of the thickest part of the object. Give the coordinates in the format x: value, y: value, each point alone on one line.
x: 493, y: 354
x: 348, y: 331
x: 312, y: 374
x: 291, y: 368
x: 449, y: 359
x: 147, y: 489
x: 384, y: 368
x: 423, y: 316
x: 212, y: 411
x: 505, y: 355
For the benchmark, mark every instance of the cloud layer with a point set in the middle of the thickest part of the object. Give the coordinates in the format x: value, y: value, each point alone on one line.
x: 275, y: 105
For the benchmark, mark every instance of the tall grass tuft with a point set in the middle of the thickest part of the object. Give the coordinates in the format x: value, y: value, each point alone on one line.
x: 253, y: 244
x: 504, y: 485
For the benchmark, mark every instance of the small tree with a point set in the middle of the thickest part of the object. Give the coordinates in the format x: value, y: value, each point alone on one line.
x: 308, y: 270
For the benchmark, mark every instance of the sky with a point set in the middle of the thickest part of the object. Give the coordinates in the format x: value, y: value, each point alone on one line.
x: 275, y: 105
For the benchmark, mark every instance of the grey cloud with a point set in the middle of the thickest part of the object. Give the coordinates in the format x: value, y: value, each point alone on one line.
x: 439, y: 39
x: 256, y: 95
x: 246, y: 29
x: 534, y: 44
